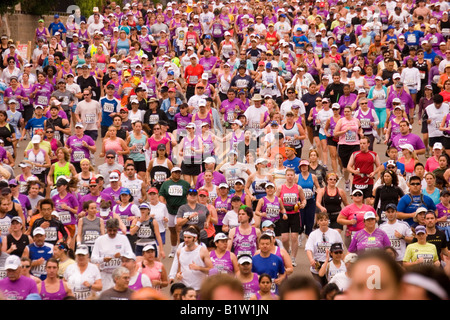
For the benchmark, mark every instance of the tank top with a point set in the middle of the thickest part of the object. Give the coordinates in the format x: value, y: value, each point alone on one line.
x: 137, y: 284
x: 332, y: 204
x: 82, y: 190
x: 223, y: 264
x: 61, y: 171
x: 58, y: 295
x: 289, y: 136
x: 271, y: 208
x: 235, y: 140
x: 365, y: 120
x: 153, y: 273
x: 190, y: 156
x: 38, y: 158
x: 307, y: 186
x: 21, y: 244
x: 208, y: 147
x: 258, y: 186
x: 191, y: 278
x: 136, y: 154
x: 333, y: 270
x: 251, y: 287
x: 146, y: 233
x: 123, y: 45
x: 245, y: 244
x: 124, y: 214
x: 159, y: 172
x: 222, y: 207
x: 289, y: 197
x: 91, y: 231
x: 151, y: 86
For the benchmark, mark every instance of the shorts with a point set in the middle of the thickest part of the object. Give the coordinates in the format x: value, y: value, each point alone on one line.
x: 140, y: 166
x: 345, y: 152
x: 322, y: 136
x: 413, y: 91
x: 333, y: 221
x: 424, y: 128
x: 367, y: 192
x: 331, y: 142
x: 446, y: 143
x: 172, y: 221
x: 92, y: 133
x: 316, y: 131
x: 292, y: 224
x: 139, y: 248
x: 192, y: 169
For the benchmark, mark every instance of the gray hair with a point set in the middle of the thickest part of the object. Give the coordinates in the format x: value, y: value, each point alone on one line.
x: 112, y: 223
x: 118, y: 272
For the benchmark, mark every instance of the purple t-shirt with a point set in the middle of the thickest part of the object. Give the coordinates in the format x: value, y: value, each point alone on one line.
x: 78, y: 151
x: 365, y: 241
x: 18, y: 290
x: 230, y: 108
x: 43, y: 94
x: 97, y: 199
x: 218, y: 178
x: 65, y: 216
x: 9, y: 93
x: 410, y: 138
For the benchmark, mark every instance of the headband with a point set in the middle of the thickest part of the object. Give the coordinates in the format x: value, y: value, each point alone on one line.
x: 426, y: 283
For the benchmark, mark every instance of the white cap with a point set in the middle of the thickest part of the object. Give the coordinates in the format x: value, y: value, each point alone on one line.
x: 210, y: 160
x: 175, y: 169
x: 369, y: 215
x: 202, y: 102
x: 114, y: 176
x: 407, y: 146
x: 438, y: 145
x: 36, y: 139
x: 220, y: 236
x: 260, y: 160
x: 82, y: 249
x: 396, y: 76
x: 12, y: 262
x: 244, y: 259
x: 38, y: 230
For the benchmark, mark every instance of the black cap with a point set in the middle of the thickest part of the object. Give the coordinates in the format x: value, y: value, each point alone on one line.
x: 161, y: 146
x: 336, y: 247
x: 391, y: 206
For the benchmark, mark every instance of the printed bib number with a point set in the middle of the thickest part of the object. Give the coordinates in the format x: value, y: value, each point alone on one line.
x: 176, y: 191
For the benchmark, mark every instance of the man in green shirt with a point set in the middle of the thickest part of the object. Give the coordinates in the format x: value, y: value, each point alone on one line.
x: 173, y: 193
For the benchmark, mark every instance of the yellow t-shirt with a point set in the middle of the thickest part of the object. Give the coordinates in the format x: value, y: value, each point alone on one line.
x: 427, y: 251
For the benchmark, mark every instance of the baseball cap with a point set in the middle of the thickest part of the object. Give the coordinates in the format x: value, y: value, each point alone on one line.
x: 18, y: 219
x: 220, y: 236
x: 438, y: 145
x: 38, y: 230
x: 223, y: 185
x: 357, y: 191
x: 12, y: 262
x: 152, y: 190
x: 210, y: 160
x: 407, y: 146
x: 369, y: 215
x: 391, y: 206
x: 149, y: 247
x: 267, y: 223
x: 336, y: 247
x: 125, y: 191
x: 304, y: 163
x: 260, y: 160
x: 421, y: 229
x: 175, y: 169
x: 144, y: 205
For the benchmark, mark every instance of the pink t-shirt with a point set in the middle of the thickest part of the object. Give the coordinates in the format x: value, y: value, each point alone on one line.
x: 431, y: 164
x: 351, y: 137
x: 349, y: 211
x: 153, y: 273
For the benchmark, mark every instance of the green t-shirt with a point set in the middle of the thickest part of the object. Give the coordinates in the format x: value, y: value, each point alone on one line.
x: 427, y: 251
x: 174, y: 193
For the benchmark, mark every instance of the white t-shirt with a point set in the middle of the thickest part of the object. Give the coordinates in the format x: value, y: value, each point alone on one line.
x: 318, y: 246
x: 75, y: 279
x: 158, y: 212
x: 398, y: 244
x: 287, y: 106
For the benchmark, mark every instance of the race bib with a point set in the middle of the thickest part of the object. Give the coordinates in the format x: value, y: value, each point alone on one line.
x: 350, y: 136
x: 43, y: 100
x: 51, y: 234
x: 108, y: 107
x: 78, y: 156
x: 90, y: 236
x: 309, y: 194
x: 175, y: 190
x: 65, y: 217
x: 89, y: 118
x: 145, y: 232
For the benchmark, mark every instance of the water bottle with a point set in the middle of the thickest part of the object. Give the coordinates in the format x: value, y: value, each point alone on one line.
x: 355, y: 217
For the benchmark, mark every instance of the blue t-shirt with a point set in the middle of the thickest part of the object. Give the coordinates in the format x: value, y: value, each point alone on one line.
x: 400, y: 167
x: 272, y: 265
x: 108, y: 107
x: 54, y: 27
x: 46, y: 252
x: 35, y: 124
x: 405, y: 205
x: 294, y: 163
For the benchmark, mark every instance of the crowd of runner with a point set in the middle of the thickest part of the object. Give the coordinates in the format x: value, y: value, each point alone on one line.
x: 240, y: 135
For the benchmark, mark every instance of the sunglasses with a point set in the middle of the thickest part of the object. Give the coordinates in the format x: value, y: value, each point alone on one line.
x: 26, y: 266
x: 332, y: 179
x: 358, y: 195
x: 415, y: 184
x: 110, y: 157
x: 338, y: 252
x: 49, y: 131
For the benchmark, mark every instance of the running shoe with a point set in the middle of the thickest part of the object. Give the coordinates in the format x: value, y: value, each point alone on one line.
x: 347, y: 186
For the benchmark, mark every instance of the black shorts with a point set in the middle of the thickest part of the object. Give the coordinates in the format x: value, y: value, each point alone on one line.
x: 446, y: 142
x: 424, y: 128
x: 140, y: 166
x: 331, y: 142
x: 367, y: 192
x: 192, y: 169
x: 316, y: 131
x: 345, y: 152
x: 292, y: 224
